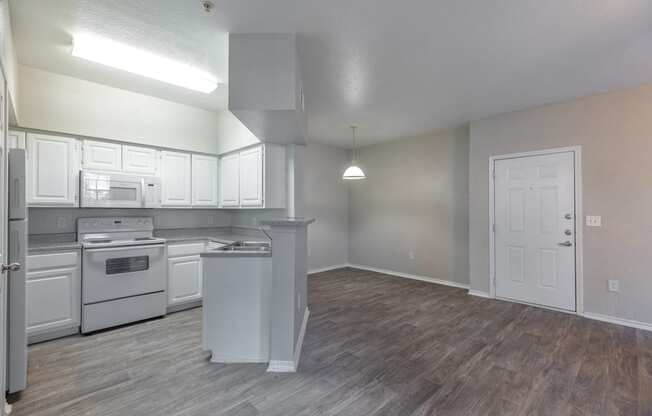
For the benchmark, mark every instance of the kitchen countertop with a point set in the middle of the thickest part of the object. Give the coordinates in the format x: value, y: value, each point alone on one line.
x: 231, y: 254
x: 38, y: 243
x: 219, y: 235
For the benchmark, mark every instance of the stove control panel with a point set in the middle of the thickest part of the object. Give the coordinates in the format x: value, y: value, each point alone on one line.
x: 114, y: 224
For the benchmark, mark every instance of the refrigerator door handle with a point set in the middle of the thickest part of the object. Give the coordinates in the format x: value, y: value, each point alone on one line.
x: 11, y: 267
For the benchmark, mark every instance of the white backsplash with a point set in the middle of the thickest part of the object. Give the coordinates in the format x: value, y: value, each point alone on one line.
x: 64, y: 220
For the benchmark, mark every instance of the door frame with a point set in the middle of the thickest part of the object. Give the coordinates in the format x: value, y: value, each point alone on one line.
x: 579, y: 226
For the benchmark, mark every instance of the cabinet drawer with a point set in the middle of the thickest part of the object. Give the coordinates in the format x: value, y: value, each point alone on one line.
x: 52, y: 261
x: 186, y: 249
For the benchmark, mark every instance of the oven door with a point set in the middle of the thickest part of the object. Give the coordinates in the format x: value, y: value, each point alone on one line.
x: 121, y: 272
x: 109, y: 190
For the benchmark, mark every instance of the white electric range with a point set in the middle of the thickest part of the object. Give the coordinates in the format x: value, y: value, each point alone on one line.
x: 124, y: 275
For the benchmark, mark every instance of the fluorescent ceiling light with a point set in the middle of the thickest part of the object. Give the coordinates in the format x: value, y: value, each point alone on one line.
x: 107, y: 52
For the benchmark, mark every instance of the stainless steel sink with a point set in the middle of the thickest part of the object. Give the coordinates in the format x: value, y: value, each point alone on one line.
x: 246, y: 246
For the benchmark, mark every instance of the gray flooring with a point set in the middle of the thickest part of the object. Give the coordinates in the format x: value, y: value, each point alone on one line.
x: 375, y: 345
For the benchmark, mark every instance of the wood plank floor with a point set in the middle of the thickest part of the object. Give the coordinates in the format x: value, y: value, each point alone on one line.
x: 375, y: 345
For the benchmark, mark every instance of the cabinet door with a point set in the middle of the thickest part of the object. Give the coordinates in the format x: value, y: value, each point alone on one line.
x: 176, y: 179
x: 53, y: 170
x: 204, y: 181
x: 53, y: 300
x: 15, y: 140
x: 251, y: 177
x: 141, y: 160
x: 184, y: 279
x: 102, y: 156
x: 230, y: 180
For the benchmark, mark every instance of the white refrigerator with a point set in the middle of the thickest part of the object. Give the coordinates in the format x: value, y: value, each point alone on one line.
x: 16, y: 290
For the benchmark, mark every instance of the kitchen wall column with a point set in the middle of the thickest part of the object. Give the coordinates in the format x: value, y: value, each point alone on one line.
x: 295, y: 181
x: 289, y: 307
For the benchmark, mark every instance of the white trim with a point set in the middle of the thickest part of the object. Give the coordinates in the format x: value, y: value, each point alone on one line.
x: 235, y: 360
x: 479, y: 293
x: 278, y: 366
x: 302, y: 333
x: 328, y: 268
x: 411, y: 276
x: 619, y: 321
x: 579, y: 229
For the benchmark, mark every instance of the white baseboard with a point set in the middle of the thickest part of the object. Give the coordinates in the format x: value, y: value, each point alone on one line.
x: 235, y: 360
x: 329, y: 268
x: 411, y: 276
x: 479, y: 293
x: 278, y: 366
x: 618, y: 321
x: 302, y: 333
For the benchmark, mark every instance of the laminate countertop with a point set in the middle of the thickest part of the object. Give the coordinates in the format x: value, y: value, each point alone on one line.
x: 40, y: 243
x: 218, y: 235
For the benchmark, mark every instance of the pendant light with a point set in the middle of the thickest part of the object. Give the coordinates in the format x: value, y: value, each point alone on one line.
x: 353, y: 172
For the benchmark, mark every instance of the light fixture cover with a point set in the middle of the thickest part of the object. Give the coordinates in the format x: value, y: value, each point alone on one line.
x: 117, y: 55
x: 353, y: 172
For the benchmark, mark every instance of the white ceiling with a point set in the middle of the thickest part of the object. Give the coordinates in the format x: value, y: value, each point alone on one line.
x: 395, y: 68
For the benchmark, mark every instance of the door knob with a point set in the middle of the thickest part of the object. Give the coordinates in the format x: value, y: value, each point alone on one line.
x: 566, y: 244
x: 13, y: 267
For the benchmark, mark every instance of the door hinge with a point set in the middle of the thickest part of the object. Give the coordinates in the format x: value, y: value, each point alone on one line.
x: 493, y: 227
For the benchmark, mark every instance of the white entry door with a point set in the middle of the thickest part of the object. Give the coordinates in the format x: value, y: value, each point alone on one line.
x: 4, y: 222
x: 534, y: 214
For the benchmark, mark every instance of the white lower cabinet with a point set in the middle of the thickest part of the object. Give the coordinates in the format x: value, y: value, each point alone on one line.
x: 185, y: 272
x: 184, y: 279
x: 53, y: 287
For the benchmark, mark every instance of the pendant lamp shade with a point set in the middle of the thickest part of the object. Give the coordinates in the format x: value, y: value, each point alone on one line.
x: 353, y: 172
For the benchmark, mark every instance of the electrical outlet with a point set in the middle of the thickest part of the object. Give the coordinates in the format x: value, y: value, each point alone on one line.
x: 593, y: 221
x: 411, y: 255
x: 61, y: 223
x: 613, y: 285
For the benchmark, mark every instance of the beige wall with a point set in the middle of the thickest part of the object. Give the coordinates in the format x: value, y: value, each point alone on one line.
x: 414, y: 200
x: 326, y: 200
x: 615, y: 132
x: 63, y: 104
x: 232, y: 134
x: 8, y: 59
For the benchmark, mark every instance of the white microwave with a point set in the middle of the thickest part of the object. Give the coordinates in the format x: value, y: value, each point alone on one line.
x: 116, y: 190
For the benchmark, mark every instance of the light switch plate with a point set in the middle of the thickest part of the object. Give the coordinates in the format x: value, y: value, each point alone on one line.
x: 614, y: 285
x: 593, y: 221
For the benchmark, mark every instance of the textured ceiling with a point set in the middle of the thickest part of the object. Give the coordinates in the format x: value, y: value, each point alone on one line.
x: 395, y: 68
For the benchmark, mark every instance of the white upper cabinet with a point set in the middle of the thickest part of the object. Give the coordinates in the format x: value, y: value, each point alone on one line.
x: 251, y: 177
x: 53, y: 170
x: 254, y: 178
x: 102, y: 156
x: 15, y: 139
x: 176, y: 179
x: 230, y: 180
x: 140, y: 160
x: 204, y: 181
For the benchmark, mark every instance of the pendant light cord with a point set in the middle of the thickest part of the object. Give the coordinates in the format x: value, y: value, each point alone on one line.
x: 354, y: 146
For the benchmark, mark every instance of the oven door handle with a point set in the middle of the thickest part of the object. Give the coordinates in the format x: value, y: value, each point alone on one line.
x: 122, y: 248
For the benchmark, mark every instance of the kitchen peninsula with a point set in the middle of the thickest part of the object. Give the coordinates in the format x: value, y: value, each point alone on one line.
x: 254, y: 307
